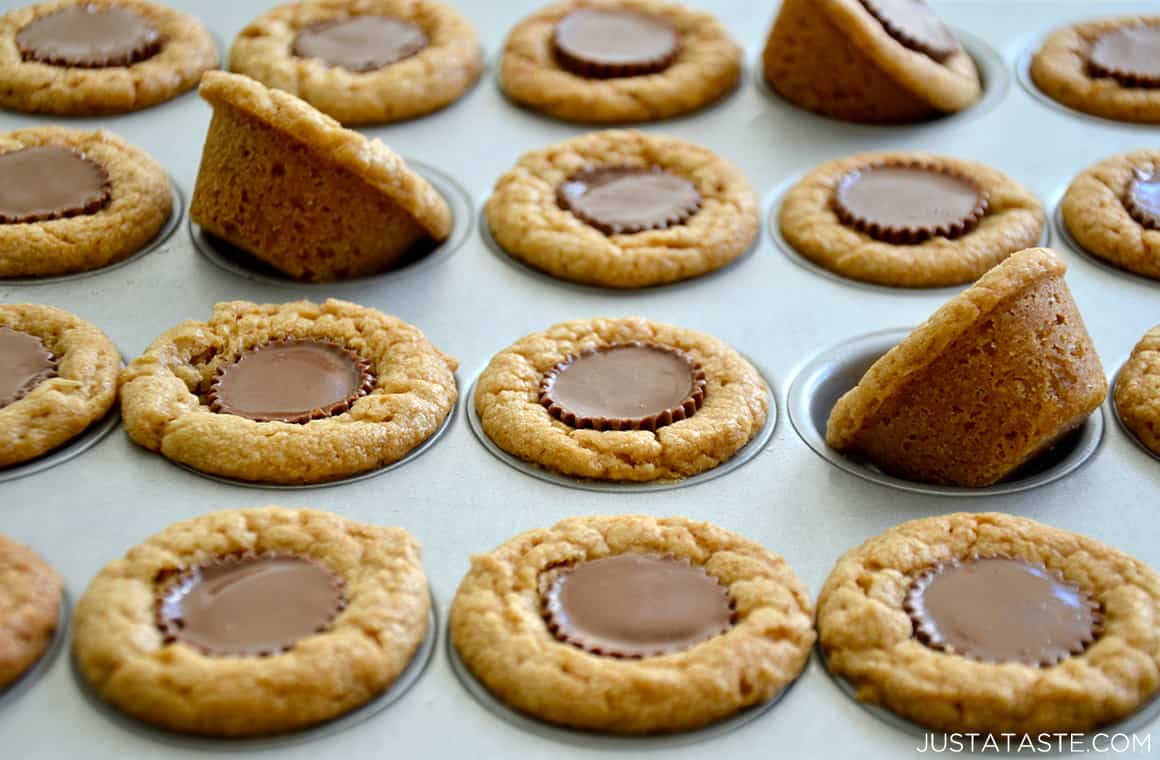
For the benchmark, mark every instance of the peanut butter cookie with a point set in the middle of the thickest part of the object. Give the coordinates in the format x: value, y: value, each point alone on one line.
x: 622, y: 209
x: 289, y: 393
x: 618, y: 61
x: 1112, y: 209
x: 909, y: 219
x: 366, y: 61
x: 92, y: 57
x: 632, y: 625
x: 1105, y: 67
x: 1137, y: 391
x: 621, y: 400
x: 993, y: 623
x: 253, y: 621
x: 73, y: 201
x: 870, y: 61
x: 58, y: 375
x: 30, y: 592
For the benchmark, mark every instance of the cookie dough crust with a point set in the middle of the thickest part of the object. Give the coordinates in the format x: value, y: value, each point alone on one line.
x: 1060, y: 69
x: 526, y: 221
x: 122, y: 653
x: 867, y: 636
x: 708, y: 66
x: 1093, y: 210
x: 1137, y: 391
x: 62, y: 407
x: 140, y: 205
x: 433, y: 79
x: 507, y: 399
x: 187, y: 51
x: 496, y: 626
x: 165, y: 407
x: 30, y: 592
x: 1014, y: 221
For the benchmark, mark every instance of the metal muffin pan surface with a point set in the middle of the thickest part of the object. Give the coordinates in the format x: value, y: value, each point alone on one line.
x: 459, y: 500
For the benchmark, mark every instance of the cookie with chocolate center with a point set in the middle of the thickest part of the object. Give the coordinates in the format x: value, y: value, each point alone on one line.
x: 608, y: 43
x: 360, y: 43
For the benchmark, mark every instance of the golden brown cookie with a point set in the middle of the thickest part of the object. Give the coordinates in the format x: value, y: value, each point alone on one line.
x: 996, y: 376
x: 618, y: 61
x: 98, y: 200
x: 363, y: 391
x: 871, y: 61
x: 363, y: 61
x: 1087, y: 66
x: 1112, y: 209
x: 58, y: 375
x: 321, y: 614
x: 840, y: 216
x: 141, y: 54
x: 289, y: 185
x: 887, y: 597
x: 671, y: 403
x: 506, y: 623
x: 1137, y: 391
x: 623, y: 209
x: 30, y: 592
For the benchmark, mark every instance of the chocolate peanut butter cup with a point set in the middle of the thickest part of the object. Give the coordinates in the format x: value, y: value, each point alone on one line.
x: 636, y: 605
x: 907, y: 203
x: 89, y: 37
x: 24, y: 364
x: 47, y: 182
x: 249, y: 605
x: 624, y: 200
x: 913, y: 24
x: 296, y: 381
x: 1142, y: 198
x: 1130, y: 55
x: 1001, y: 609
x: 624, y: 386
x: 360, y: 43
x: 607, y: 43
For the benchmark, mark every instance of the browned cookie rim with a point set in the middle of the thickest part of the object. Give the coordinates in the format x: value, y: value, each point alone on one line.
x: 93, y: 206
x: 926, y: 634
x: 686, y: 409
x: 45, y: 374
x: 1144, y: 217
x: 170, y: 581
x: 366, y: 385
x: 911, y: 235
x: 550, y: 608
x: 1126, y: 77
x: 904, y: 38
x: 676, y: 219
x: 589, y: 69
x: 142, y: 52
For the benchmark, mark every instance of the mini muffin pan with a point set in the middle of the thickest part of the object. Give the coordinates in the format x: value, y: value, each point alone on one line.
x: 460, y: 500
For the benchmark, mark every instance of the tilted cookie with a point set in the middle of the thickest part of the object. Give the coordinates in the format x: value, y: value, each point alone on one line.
x: 363, y: 61
x: 993, y: 623
x: 996, y: 376
x: 253, y: 621
x: 1112, y: 209
x: 871, y: 61
x: 1137, y: 391
x: 30, y: 593
x: 1106, y: 67
x: 909, y: 219
x: 288, y: 393
x: 58, y: 375
x: 623, y: 209
x: 73, y: 201
x: 618, y: 61
x: 92, y: 57
x: 621, y: 399
x: 632, y: 624
x: 289, y: 185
